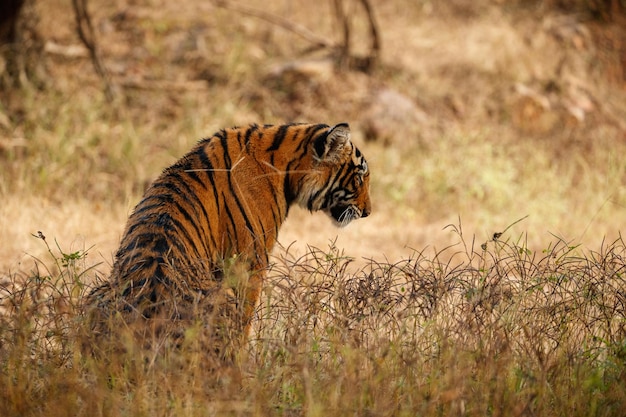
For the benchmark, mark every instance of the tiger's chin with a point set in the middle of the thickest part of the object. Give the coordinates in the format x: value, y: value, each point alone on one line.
x: 344, y: 215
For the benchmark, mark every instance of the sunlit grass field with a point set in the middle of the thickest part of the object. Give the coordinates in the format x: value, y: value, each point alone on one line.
x: 489, y: 279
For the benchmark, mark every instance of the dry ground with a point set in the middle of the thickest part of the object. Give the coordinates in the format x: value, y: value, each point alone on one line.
x: 518, y: 111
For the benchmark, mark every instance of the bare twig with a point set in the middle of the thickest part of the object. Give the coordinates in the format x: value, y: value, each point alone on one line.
x: 376, y: 44
x: 343, y: 47
x: 286, y: 24
x: 88, y: 37
x: 345, y: 29
x: 346, y: 57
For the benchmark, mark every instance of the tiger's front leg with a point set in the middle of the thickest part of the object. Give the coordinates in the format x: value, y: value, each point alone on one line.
x: 251, y: 299
x: 242, y: 288
x: 231, y: 327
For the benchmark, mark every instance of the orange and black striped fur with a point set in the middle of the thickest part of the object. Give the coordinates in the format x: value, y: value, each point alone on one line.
x: 200, y: 238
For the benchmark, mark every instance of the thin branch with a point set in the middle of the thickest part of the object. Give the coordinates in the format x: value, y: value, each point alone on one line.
x: 88, y: 37
x: 303, y: 32
x: 374, y: 33
x: 345, y: 29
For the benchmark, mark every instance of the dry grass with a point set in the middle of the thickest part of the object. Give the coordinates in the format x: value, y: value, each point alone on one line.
x: 523, y: 115
x: 495, y: 329
x: 73, y: 165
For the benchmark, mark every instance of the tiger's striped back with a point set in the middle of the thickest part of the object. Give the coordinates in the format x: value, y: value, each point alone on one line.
x: 215, y: 214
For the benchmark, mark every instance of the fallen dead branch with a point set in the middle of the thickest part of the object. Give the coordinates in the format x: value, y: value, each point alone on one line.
x: 343, y: 49
x: 142, y: 84
x: 317, y: 40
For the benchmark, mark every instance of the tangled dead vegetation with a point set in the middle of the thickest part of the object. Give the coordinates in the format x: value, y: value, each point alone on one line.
x: 534, y: 303
x: 469, y: 329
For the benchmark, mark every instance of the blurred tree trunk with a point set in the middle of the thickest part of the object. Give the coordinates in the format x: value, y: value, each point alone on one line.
x: 9, y: 13
x: 20, y: 44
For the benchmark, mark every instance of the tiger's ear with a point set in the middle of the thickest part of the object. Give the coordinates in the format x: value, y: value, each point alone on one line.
x: 330, y: 147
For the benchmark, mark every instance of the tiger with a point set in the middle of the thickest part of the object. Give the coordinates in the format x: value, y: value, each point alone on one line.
x: 196, y: 247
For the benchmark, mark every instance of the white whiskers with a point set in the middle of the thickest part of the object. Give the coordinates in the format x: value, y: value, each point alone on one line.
x: 349, y: 214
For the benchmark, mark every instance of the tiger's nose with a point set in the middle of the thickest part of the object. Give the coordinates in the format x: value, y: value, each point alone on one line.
x: 366, y: 212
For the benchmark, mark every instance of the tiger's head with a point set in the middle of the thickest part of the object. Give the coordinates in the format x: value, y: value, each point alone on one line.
x: 339, y: 179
